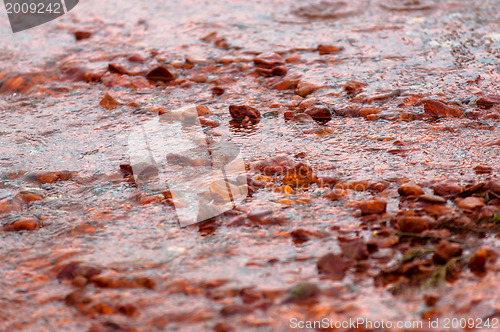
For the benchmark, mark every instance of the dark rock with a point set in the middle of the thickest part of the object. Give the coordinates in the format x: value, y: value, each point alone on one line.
x: 376, y: 206
x: 356, y: 249
x: 410, y: 189
x: 446, y: 251
x: 116, y: 68
x: 74, y: 269
x: 354, y: 87
x: 109, y: 102
x: 29, y: 223
x: 477, y: 262
x: 446, y: 189
x: 431, y: 199
x: 242, y: 111
x: 412, y: 224
x: 439, y: 110
x: 280, y: 164
x: 81, y: 35
x: 268, y: 60
x: 328, y: 49
x: 235, y: 309
x: 74, y: 74
x: 160, y: 73
x: 300, y: 176
x: 332, y: 265
x: 489, y: 100
x: 470, y: 203
x: 302, y: 292
x: 305, y: 88
x: 483, y: 169
x: 320, y: 112
x: 494, y: 186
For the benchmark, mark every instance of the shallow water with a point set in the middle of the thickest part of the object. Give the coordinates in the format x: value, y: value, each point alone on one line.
x: 450, y: 51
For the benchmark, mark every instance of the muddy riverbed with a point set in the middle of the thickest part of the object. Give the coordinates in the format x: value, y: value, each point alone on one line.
x: 371, y: 148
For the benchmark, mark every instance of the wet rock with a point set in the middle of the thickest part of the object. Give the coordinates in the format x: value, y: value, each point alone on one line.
x: 477, y: 262
x: 290, y: 81
x: 328, y: 49
x: 488, y: 100
x: 301, y: 235
x: 431, y: 199
x: 336, y: 195
x: 242, y: 111
x: 431, y: 299
x: 483, y: 169
x: 439, y: 110
x: 27, y: 196
x: 356, y: 249
x: 494, y: 186
x: 111, y: 280
x: 470, y: 203
x: 223, y: 191
x: 218, y: 91
x: 369, y: 110
x: 446, y: 251
x: 209, y: 122
x: 149, y: 171
x: 116, y: 68
x: 473, y: 189
x: 81, y: 35
x: 9, y: 205
x: 332, y: 265
x: 279, y: 71
x: 303, y: 118
x: 270, y: 64
x: 250, y: 295
x: 410, y: 189
x: 136, y: 58
x: 376, y: 206
x: 75, y: 270
x: 328, y: 181
x: 381, y: 242
x: 300, y: 176
x: 288, y: 115
x: 246, y: 122
x: 446, y: 189
x: 382, y: 97
x: 110, y: 327
x: 28, y: 223
x: 302, y: 292
x: 327, y: 10
x: 411, y: 5
x: 23, y: 83
x: 74, y: 74
x: 280, y: 164
x: 109, y: 102
x: 412, y: 224
x: 160, y: 73
x: 235, y: 309
x: 268, y: 60
x: 223, y: 327
x: 274, y: 220
x: 47, y: 177
x: 320, y: 112
x: 305, y: 88
x: 379, y: 186
x: 354, y: 87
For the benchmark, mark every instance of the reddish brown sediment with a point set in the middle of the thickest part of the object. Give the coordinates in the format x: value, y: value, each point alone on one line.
x: 369, y: 132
